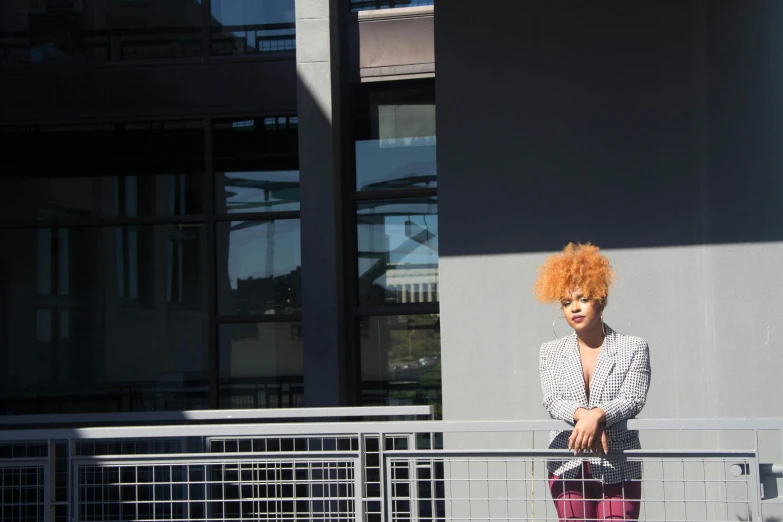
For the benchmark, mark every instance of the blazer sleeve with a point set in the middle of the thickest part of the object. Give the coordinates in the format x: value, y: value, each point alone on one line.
x: 633, y: 391
x: 555, y: 402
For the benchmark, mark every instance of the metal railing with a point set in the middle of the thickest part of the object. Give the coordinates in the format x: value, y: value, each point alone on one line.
x: 366, y: 5
x: 264, y: 465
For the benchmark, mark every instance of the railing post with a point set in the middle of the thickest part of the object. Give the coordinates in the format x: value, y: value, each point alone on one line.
x: 49, y: 482
x: 755, y: 481
x: 358, y: 486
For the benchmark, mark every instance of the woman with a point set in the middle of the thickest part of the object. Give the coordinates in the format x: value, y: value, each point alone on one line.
x: 592, y: 378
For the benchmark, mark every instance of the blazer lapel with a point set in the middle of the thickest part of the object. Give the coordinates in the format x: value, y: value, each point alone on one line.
x: 603, y: 367
x: 573, y: 369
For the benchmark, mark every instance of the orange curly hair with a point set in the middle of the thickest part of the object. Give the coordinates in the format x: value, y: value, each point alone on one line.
x: 578, y: 265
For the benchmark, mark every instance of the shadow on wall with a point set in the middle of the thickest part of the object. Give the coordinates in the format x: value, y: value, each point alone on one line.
x: 629, y: 125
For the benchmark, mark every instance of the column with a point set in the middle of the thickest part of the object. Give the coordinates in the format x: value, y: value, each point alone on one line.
x: 323, y: 305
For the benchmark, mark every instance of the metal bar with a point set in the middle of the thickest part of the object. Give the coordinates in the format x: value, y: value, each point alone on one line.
x: 357, y: 428
x: 163, y: 458
x: 412, y: 193
x: 216, y: 415
x: 208, y: 191
x: 198, y: 459
x: 397, y: 309
x: 387, y: 495
x: 15, y: 462
x: 73, y: 478
x: 109, y: 221
x: 673, y: 454
x: 206, y: 14
x: 48, y: 504
x: 258, y: 216
x: 755, y: 481
x: 247, y: 319
x: 358, y: 486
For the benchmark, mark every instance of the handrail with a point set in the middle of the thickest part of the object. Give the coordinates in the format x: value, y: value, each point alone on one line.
x: 359, y: 428
x: 86, y: 419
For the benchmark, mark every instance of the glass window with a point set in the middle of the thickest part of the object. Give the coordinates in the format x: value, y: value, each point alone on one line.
x: 240, y: 192
x: 109, y: 273
x: 399, y: 151
x: 261, y: 365
x: 396, y: 164
x: 132, y: 260
x: 398, y: 251
x: 184, y: 269
x: 252, y: 27
x: 256, y: 144
x: 400, y: 359
x: 103, y: 319
x: 73, y: 198
x: 365, y: 5
x: 259, y: 267
x: 74, y: 31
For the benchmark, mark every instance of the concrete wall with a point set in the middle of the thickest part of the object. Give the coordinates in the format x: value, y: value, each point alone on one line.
x: 650, y: 129
x: 388, y: 44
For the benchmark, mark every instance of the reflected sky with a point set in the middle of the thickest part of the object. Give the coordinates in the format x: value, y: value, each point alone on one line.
x: 259, y: 191
x: 395, y: 236
x: 396, y: 163
x: 260, y: 249
x: 247, y: 12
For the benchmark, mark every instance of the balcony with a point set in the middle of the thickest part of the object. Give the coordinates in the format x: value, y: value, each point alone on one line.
x: 374, y: 464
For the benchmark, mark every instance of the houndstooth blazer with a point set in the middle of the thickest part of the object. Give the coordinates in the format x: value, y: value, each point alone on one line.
x: 619, y: 386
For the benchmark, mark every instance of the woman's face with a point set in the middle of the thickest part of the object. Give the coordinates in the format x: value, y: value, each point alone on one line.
x: 582, y: 313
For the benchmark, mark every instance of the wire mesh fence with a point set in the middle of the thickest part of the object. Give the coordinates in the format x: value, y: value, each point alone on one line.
x: 242, y: 489
x: 377, y: 471
x: 519, y: 488
x: 23, y: 490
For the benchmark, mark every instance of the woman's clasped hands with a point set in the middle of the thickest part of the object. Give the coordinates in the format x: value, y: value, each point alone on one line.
x: 589, y: 433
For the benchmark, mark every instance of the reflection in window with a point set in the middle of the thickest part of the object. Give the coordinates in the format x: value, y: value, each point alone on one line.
x: 400, y: 358
x: 252, y: 27
x: 397, y: 163
x: 53, y: 261
x: 401, y: 153
x: 259, y: 267
x: 83, y: 198
x: 73, y: 31
x: 132, y: 247
x: 254, y: 145
x: 275, y: 191
x: 365, y: 5
x: 261, y: 365
x: 398, y: 251
x: 184, y: 194
x: 72, y: 343
x: 126, y: 196
x: 183, y: 262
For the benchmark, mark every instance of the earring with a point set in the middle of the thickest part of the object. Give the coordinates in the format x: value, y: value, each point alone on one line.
x: 553, y: 326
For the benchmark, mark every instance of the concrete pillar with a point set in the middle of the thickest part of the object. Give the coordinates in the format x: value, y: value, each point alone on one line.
x: 318, y: 107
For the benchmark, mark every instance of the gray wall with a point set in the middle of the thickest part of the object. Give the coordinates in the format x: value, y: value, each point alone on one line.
x: 651, y: 129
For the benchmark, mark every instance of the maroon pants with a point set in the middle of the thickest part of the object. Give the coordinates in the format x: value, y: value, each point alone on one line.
x: 583, y: 498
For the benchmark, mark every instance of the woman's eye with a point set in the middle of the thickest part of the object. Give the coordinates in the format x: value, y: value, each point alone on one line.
x: 566, y: 303
x: 584, y: 299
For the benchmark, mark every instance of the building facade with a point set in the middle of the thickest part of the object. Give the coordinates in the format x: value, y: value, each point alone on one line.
x: 245, y: 203
x: 217, y: 204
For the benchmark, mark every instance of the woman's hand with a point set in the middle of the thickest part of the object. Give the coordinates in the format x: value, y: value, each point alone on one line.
x: 588, y: 433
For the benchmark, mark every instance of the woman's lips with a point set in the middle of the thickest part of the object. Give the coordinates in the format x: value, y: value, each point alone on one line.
x: 578, y: 318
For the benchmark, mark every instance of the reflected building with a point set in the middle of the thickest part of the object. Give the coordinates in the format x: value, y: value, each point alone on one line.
x: 284, y: 291
x: 168, y: 240
x: 412, y: 285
